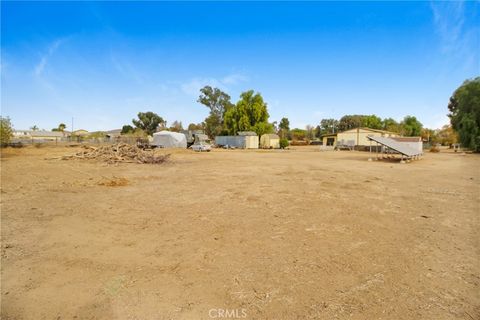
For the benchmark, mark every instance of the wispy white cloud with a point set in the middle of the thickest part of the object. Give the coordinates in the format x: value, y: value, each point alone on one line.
x: 40, y: 66
x: 449, y: 19
x: 126, y: 69
x: 459, y: 39
x: 193, y: 86
x: 234, y: 79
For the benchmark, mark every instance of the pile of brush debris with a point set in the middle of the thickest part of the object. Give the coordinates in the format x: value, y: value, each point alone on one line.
x: 119, y: 153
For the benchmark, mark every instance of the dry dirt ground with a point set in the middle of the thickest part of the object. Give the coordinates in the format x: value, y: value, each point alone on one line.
x: 297, y: 234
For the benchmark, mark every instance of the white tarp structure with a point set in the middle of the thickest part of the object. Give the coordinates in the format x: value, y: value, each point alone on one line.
x: 169, y: 139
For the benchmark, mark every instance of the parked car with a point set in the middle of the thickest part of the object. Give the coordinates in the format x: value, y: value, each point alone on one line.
x: 201, y: 147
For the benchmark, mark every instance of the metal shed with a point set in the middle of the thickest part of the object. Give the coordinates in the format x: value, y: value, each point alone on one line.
x: 242, y: 142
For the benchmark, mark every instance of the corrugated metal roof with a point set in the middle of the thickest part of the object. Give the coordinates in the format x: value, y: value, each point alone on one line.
x: 329, y: 135
x: 40, y: 133
x: 395, y: 145
x: 370, y: 129
x: 246, y: 133
x: 407, y: 139
x: 272, y: 135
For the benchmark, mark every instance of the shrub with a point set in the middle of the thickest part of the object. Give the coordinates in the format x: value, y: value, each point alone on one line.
x: 283, y: 143
x: 6, y: 131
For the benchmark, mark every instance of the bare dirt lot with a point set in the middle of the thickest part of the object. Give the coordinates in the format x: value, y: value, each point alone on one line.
x: 298, y: 234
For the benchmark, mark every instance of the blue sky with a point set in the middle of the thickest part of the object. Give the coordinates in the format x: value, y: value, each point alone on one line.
x: 103, y: 62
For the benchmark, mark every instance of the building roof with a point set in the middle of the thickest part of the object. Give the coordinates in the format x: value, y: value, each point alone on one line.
x: 113, y: 133
x: 246, y: 133
x: 271, y: 135
x: 329, y: 135
x: 407, y: 139
x: 370, y: 129
x: 41, y: 133
x: 361, y: 128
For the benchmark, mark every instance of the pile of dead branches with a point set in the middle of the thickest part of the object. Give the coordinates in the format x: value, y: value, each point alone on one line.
x: 118, y: 153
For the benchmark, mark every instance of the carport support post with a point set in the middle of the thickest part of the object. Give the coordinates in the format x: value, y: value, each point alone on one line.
x: 370, y: 154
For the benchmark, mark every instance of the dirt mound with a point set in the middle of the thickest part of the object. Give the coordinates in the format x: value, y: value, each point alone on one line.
x: 119, y: 153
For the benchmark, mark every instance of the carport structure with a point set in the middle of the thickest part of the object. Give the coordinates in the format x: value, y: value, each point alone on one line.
x: 392, y: 147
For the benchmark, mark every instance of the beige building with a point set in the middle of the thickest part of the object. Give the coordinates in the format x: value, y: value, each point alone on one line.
x: 355, y: 137
x: 270, y: 141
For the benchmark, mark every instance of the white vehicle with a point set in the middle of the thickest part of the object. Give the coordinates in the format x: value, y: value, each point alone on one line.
x: 201, y: 147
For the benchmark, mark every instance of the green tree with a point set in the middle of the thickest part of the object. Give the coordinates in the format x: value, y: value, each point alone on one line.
x: 126, y: 129
x: 390, y: 124
x: 284, y: 127
x: 464, y: 107
x: 348, y: 122
x: 446, y: 136
x: 213, y: 126
x: 249, y: 114
x: 429, y: 135
x: 328, y: 126
x: 61, y: 127
x: 219, y: 103
x: 411, y: 127
x: 372, y: 122
x: 34, y: 128
x: 6, y: 130
x: 298, y: 134
x: 148, y: 122
x: 284, y: 124
x: 176, y: 126
x: 283, y: 143
x: 198, y: 126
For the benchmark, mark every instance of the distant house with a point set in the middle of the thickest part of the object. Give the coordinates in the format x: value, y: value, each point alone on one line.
x: 38, y: 135
x: 270, y: 141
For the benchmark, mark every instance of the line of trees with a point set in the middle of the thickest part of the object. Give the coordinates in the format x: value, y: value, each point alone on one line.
x: 409, y: 126
x: 250, y: 113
